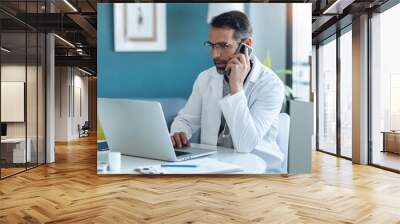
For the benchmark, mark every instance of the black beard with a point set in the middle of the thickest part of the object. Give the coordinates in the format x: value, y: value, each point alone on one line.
x: 221, y: 71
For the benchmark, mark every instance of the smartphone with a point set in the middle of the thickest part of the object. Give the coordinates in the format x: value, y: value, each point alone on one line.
x: 241, y: 49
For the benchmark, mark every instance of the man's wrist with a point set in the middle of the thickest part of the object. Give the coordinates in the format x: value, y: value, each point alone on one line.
x: 236, y: 88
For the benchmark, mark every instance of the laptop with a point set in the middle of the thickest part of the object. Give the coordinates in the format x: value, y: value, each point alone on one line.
x: 138, y: 128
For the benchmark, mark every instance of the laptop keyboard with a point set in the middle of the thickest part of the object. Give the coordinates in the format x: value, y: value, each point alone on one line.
x: 180, y: 153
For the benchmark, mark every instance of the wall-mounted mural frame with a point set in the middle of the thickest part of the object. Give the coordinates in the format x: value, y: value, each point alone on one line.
x: 139, y: 27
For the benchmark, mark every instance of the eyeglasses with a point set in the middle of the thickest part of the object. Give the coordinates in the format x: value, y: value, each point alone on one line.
x: 218, y: 46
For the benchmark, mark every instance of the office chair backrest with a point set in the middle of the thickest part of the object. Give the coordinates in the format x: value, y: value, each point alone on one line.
x: 85, y: 125
x: 283, y: 138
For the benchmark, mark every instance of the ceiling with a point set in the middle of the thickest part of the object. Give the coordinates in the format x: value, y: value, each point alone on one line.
x: 331, y: 15
x: 74, y: 21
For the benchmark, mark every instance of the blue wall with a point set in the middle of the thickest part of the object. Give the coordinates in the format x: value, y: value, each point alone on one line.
x: 154, y: 74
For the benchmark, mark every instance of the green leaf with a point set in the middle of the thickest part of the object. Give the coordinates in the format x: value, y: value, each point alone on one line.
x: 267, y: 61
x: 284, y: 72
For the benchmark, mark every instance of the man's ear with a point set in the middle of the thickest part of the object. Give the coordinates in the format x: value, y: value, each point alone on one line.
x: 248, y: 41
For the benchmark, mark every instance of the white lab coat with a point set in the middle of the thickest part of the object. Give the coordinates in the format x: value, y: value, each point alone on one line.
x: 251, y: 114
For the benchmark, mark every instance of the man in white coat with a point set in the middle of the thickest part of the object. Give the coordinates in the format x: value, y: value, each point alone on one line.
x: 239, y: 110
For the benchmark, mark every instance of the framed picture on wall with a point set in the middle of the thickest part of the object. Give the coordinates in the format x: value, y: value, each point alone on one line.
x: 139, y: 27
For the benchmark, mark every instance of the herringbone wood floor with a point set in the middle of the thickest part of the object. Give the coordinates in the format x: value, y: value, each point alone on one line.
x: 69, y: 191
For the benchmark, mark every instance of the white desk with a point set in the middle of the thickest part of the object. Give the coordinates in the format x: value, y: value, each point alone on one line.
x: 19, y: 149
x: 250, y: 163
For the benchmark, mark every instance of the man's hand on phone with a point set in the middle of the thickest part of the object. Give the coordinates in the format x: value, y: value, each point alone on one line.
x: 239, y: 67
x: 179, y: 140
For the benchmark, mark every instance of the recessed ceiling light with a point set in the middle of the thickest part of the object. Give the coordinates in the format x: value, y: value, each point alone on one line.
x: 64, y: 40
x: 337, y: 7
x: 70, y: 5
x: 84, y: 71
x: 5, y: 50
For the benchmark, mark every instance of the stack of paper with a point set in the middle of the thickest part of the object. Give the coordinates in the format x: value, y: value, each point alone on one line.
x: 195, y: 166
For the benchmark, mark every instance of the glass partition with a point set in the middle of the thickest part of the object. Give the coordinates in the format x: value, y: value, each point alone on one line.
x: 327, y: 96
x: 22, y: 77
x: 385, y: 89
x: 346, y: 93
x: 41, y: 107
x: 31, y: 100
x: 13, y: 105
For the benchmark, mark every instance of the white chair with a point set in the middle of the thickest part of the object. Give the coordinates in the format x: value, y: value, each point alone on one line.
x: 275, y: 165
x: 283, y: 138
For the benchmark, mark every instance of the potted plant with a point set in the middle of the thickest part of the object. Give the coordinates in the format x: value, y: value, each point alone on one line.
x: 282, y: 73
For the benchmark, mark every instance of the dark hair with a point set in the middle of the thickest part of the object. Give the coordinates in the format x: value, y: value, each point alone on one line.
x: 235, y: 20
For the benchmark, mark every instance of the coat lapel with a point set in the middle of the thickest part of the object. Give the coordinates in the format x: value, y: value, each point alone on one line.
x: 253, y: 76
x: 213, y: 118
